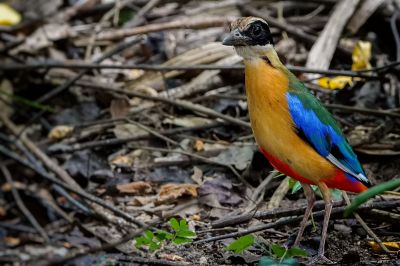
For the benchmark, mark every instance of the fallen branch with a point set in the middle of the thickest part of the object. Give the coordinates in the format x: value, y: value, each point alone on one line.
x: 185, y: 23
x: 8, y: 153
x: 321, y: 53
x: 63, y: 148
x: 22, y: 206
x: 148, y: 67
x: 336, y: 212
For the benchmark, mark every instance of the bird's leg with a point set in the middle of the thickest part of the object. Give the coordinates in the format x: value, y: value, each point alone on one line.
x: 326, y: 194
x: 310, y: 196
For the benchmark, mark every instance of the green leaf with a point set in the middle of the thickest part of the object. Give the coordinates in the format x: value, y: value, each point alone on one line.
x: 140, y: 241
x: 162, y: 235
x: 278, y: 250
x: 241, y: 244
x: 125, y: 15
x: 296, y: 186
x: 186, y: 233
x: 174, y: 224
x: 148, y: 234
x: 296, y: 252
x: 183, y: 224
x: 372, y: 192
x: 180, y: 240
x: 277, y: 173
x: 336, y: 194
x: 154, y: 246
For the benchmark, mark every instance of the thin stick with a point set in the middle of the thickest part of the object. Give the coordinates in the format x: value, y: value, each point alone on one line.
x: 49, y: 163
x: 153, y: 132
x: 340, y: 107
x: 179, y: 103
x: 365, y: 226
x: 185, y: 23
x: 149, y: 67
x: 117, y: 49
x: 278, y: 212
x: 336, y: 212
x: 258, y: 194
x: 22, y: 206
x: 85, y: 252
x: 363, y: 110
x: 117, y: 141
x: 201, y: 158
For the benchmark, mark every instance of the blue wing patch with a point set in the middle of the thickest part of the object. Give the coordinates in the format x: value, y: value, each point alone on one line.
x: 326, y: 139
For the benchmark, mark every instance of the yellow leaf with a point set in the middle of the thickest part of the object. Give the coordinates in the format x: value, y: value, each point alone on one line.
x: 361, y: 55
x: 8, y: 16
x: 392, y: 246
x: 335, y: 83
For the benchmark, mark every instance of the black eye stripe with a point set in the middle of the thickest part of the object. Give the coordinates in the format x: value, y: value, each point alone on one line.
x: 258, y: 33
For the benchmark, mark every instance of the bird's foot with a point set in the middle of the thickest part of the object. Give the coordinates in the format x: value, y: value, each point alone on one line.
x: 320, y: 259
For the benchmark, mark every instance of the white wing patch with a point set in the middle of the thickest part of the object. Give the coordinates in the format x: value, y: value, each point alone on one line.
x: 342, y: 167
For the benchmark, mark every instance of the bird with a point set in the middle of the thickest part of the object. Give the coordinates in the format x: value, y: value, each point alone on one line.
x: 294, y: 131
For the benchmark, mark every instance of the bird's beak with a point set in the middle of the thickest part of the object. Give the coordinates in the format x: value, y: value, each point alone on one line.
x: 235, y: 38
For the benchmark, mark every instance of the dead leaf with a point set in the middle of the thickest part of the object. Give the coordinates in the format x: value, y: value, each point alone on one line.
x: 3, y: 212
x: 127, y: 131
x: 239, y: 156
x: 222, y: 188
x: 170, y: 192
x: 44, y: 37
x: 135, y: 188
x: 196, y: 217
x: 142, y: 200
x: 11, y: 241
x: 199, y: 145
x: 171, y: 257
x: 183, y: 208
x: 42, y: 9
x: 119, y: 108
x: 87, y: 164
x: 197, y: 176
x: 60, y: 132
x: 125, y: 160
x: 6, y: 187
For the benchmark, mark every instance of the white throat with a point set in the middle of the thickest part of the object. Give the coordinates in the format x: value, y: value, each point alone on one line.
x: 253, y: 52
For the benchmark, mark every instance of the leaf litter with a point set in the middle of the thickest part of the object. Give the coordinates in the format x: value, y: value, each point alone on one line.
x: 110, y: 131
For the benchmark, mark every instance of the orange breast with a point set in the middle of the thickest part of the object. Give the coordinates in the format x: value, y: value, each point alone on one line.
x: 273, y: 126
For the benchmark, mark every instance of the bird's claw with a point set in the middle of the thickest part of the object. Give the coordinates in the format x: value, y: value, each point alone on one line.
x: 320, y: 259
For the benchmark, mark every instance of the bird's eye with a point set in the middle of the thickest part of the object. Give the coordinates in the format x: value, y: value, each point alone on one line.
x: 256, y: 30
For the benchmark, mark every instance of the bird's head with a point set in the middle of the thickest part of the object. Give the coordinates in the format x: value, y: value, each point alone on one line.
x: 250, y: 36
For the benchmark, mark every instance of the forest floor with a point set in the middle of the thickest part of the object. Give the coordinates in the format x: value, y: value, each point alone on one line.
x: 120, y: 118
